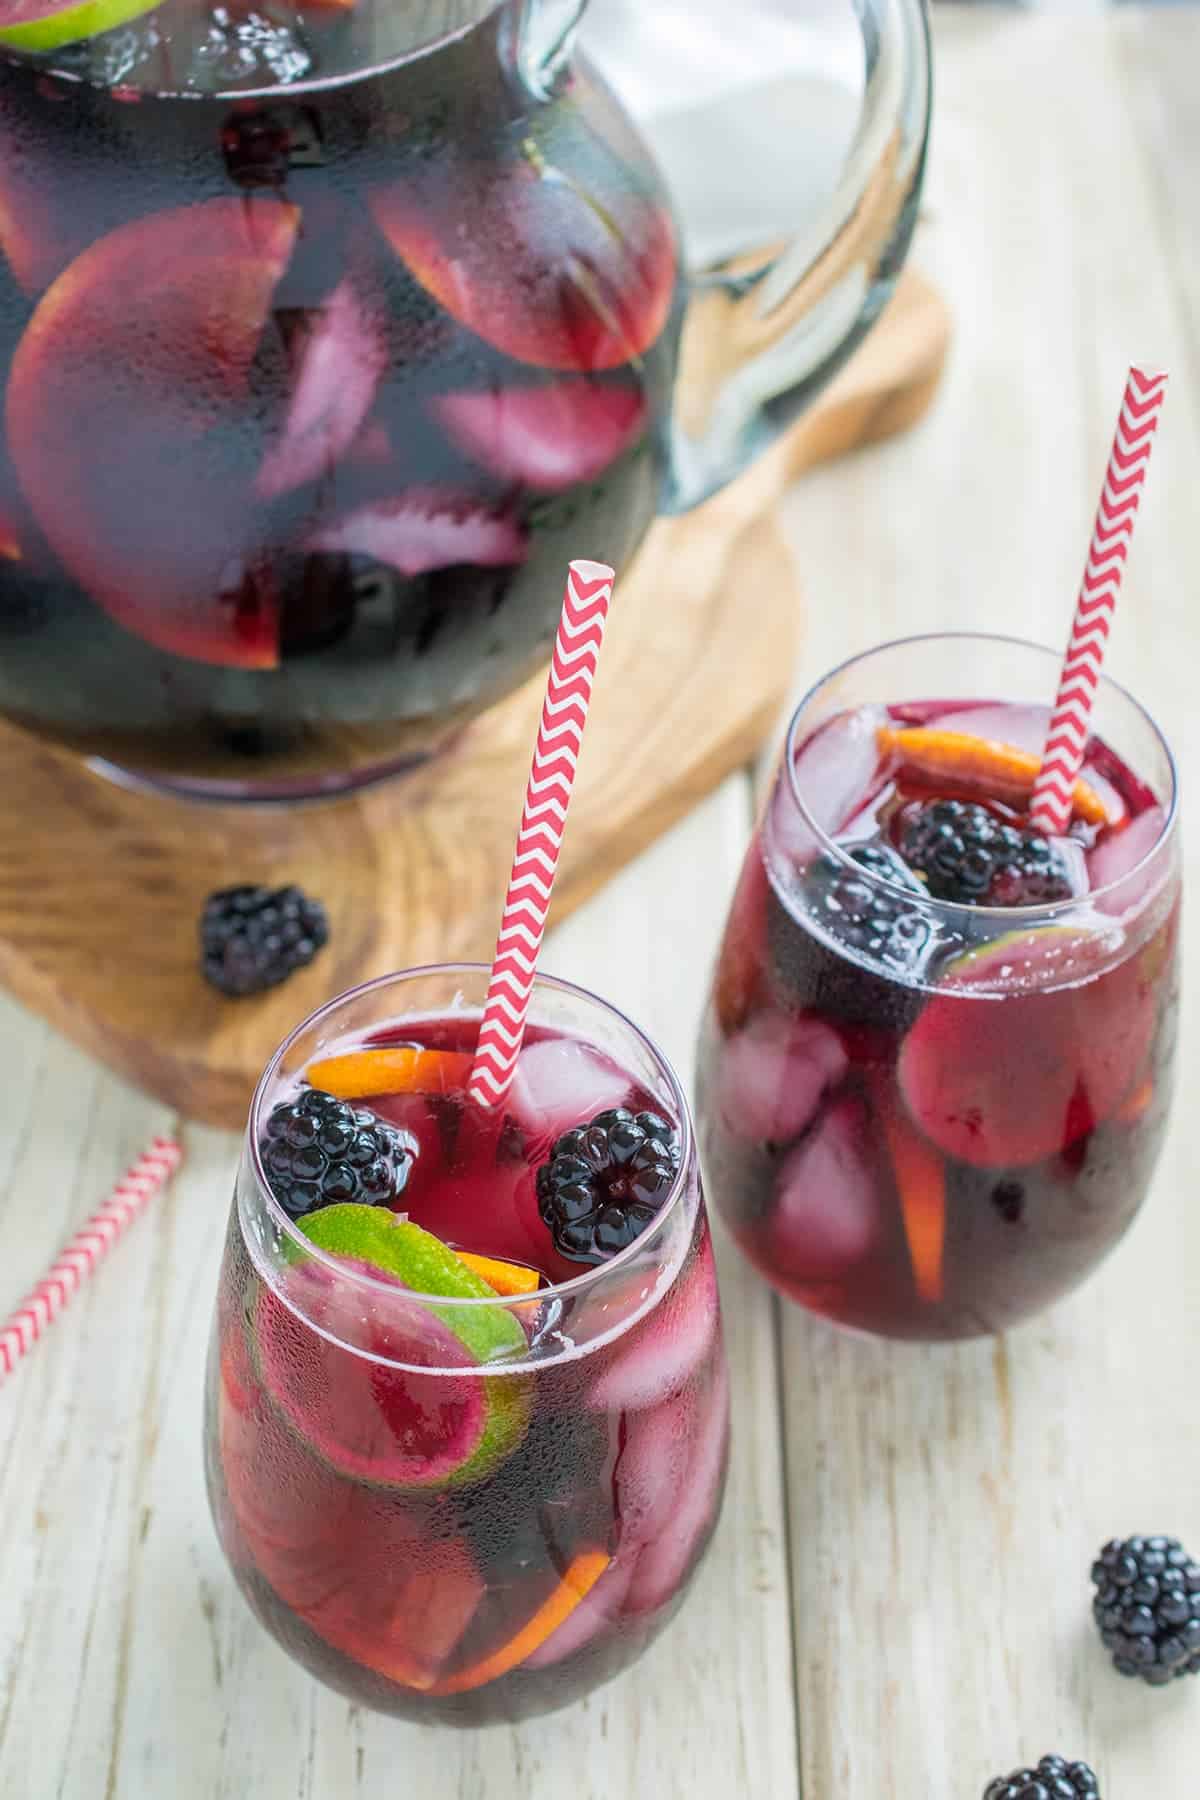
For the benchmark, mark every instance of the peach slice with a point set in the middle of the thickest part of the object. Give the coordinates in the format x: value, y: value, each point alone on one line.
x: 131, y: 423
x: 532, y: 261
x: 54, y: 201
x: 547, y: 438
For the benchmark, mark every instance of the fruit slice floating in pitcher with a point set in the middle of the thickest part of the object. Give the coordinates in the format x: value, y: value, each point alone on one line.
x: 1051, y: 1055
x: 547, y: 438
x: 39, y: 25
x: 385, y: 1424
x: 426, y: 528
x: 133, y: 428
x: 340, y: 356
x: 378, y: 1582
x: 540, y: 264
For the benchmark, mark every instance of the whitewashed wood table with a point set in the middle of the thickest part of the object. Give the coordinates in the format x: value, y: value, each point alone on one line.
x: 896, y: 1605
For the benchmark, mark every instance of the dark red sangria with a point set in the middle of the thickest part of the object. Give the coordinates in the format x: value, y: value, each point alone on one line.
x: 468, y: 1411
x: 323, y: 348
x: 938, y: 1059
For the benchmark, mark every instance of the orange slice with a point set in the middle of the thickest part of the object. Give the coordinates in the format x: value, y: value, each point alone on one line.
x: 1139, y: 1102
x: 507, y: 1278
x: 1000, y: 770
x: 579, y: 1580
x: 401, y: 1070
x: 920, y: 1176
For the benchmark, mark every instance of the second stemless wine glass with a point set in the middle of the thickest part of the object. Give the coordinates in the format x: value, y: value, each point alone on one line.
x: 939, y: 1054
x: 467, y: 1509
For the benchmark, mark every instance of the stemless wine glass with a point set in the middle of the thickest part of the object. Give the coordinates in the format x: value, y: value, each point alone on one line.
x: 451, y: 1508
x: 937, y: 1063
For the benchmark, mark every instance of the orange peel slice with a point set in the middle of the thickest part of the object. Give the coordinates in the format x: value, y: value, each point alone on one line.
x: 920, y: 1176
x: 577, y: 1583
x: 358, y: 1074
x: 507, y: 1278
x: 1138, y: 1102
x: 983, y: 764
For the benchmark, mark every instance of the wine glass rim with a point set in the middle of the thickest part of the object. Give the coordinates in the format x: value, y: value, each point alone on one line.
x: 578, y: 1285
x: 1016, y: 916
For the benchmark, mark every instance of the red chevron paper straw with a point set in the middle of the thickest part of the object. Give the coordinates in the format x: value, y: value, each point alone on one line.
x: 1067, y: 736
x: 88, y: 1247
x: 539, y: 839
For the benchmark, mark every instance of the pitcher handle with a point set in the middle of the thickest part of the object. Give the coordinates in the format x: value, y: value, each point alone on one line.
x: 766, y: 331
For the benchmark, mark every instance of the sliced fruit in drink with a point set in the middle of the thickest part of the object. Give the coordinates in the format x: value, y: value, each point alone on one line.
x: 828, y: 1209
x: 577, y: 1581
x: 394, y: 1425
x: 739, y: 983
x: 390, y: 1069
x: 998, y: 771
x: 40, y: 25
x: 774, y: 1075
x: 341, y: 354
x: 659, y: 1356
x: 130, y: 423
x: 665, y: 1561
x: 505, y: 1278
x: 920, y: 1178
x: 594, y: 1615
x: 385, y: 1586
x: 547, y: 438
x: 1028, y: 1042
x: 426, y: 528
x: 532, y: 261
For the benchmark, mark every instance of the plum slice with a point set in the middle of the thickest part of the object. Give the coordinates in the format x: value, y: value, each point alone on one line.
x: 1008, y: 1080
x: 341, y: 356
x: 426, y: 528
x: 132, y: 423
x: 532, y: 261
x: 547, y: 438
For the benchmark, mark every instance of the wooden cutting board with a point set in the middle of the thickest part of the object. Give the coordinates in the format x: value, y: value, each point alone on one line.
x: 100, y: 889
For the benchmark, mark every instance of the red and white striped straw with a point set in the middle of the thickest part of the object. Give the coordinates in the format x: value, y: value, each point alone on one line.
x: 539, y: 839
x: 88, y: 1247
x: 1066, y: 739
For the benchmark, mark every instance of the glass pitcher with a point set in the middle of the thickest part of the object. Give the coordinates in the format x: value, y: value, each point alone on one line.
x: 328, y: 333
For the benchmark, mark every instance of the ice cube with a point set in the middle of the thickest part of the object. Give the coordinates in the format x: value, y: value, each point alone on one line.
x: 664, y: 1562
x: 561, y: 1083
x: 772, y: 1076
x: 661, y: 1353
x: 1119, y: 853
x: 829, y: 1205
x: 835, y: 772
x: 650, y: 1472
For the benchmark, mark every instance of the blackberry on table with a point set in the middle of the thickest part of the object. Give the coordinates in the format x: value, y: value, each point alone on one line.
x: 966, y: 854
x: 252, y: 938
x: 860, y: 914
x: 1147, y: 1606
x: 318, y: 1151
x: 1054, y: 1779
x: 603, y: 1183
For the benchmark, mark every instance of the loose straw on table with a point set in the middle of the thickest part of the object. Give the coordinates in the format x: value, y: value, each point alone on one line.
x: 539, y: 838
x: 1066, y: 739
x: 42, y: 1305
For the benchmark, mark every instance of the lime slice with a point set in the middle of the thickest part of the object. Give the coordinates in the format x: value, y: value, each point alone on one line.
x: 34, y: 25
x: 415, y: 1411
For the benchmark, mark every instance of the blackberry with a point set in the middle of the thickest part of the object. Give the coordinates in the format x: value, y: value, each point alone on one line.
x: 319, y: 1151
x: 863, y: 916
x: 252, y: 938
x: 1053, y: 1779
x: 967, y: 854
x: 1147, y: 1606
x: 603, y: 1183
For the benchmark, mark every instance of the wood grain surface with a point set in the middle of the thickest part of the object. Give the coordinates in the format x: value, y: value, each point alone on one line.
x: 896, y: 1603
x: 702, y: 640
